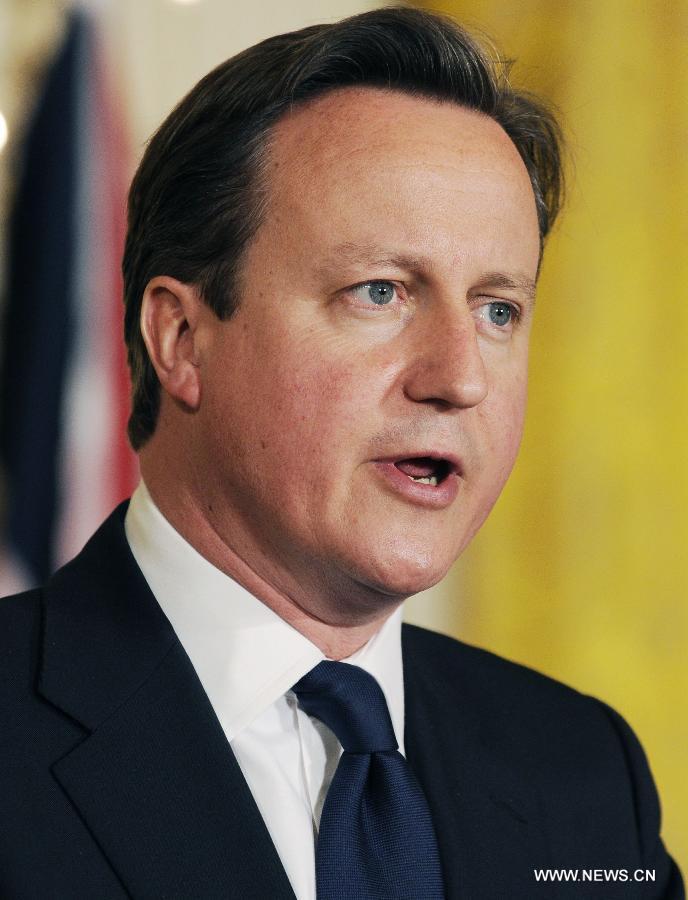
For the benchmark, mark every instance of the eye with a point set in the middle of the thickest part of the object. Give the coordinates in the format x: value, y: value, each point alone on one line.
x: 500, y: 313
x: 380, y: 293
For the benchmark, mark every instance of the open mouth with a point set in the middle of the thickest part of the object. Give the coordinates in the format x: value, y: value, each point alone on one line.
x: 425, y: 469
x: 430, y: 481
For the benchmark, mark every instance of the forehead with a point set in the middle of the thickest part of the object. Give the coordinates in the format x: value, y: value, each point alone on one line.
x: 342, y: 111
x: 365, y: 159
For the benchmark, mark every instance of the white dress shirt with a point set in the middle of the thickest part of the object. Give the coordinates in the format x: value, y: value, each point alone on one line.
x: 247, y: 659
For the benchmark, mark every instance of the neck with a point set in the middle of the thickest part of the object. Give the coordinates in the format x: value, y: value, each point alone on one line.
x: 336, y: 629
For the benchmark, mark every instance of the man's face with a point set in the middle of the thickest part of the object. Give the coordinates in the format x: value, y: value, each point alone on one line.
x: 382, y: 338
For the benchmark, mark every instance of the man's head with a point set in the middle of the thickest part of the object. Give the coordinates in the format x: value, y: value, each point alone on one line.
x: 335, y: 238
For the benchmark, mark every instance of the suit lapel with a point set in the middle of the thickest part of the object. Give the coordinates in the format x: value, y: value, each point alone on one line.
x: 154, y: 779
x: 485, y: 813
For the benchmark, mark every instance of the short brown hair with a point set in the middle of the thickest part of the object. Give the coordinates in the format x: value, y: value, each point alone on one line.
x: 197, y: 197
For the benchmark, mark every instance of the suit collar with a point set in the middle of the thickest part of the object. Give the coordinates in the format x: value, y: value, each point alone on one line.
x: 154, y: 780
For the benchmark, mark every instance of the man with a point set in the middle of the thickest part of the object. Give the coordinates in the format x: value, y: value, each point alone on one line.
x: 330, y: 272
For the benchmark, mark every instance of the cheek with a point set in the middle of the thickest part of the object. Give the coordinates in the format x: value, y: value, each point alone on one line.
x: 306, y: 411
x: 505, y: 429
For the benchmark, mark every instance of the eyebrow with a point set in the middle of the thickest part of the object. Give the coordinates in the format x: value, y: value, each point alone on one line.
x: 362, y: 255
x: 520, y: 283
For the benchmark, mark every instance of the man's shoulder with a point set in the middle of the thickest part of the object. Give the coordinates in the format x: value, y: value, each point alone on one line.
x: 560, y: 731
x: 550, y: 752
x: 37, y: 619
x: 449, y: 659
x: 505, y: 692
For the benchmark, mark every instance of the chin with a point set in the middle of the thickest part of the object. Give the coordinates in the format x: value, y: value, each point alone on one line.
x: 407, y: 573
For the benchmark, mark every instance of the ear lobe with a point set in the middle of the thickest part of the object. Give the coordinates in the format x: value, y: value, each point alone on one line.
x: 169, y: 317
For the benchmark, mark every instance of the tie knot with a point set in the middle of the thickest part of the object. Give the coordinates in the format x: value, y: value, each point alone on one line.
x: 351, y: 703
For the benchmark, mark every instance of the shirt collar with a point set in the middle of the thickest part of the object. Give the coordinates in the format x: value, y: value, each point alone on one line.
x: 245, y: 655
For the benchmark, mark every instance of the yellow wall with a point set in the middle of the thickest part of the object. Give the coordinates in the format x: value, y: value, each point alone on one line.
x: 582, y: 570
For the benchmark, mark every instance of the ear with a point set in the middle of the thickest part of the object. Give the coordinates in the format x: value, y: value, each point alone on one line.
x: 170, y: 313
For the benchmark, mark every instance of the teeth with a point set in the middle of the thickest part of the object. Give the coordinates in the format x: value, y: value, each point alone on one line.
x: 431, y: 479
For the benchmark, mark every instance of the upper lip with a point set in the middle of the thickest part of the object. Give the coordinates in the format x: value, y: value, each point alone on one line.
x: 451, y: 459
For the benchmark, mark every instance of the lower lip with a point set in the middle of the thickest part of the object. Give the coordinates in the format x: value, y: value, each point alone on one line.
x: 435, y: 496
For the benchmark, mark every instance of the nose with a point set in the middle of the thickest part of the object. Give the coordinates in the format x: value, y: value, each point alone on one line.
x: 447, y: 367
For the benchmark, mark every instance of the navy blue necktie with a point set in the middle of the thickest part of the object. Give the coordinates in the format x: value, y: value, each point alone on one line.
x: 376, y: 840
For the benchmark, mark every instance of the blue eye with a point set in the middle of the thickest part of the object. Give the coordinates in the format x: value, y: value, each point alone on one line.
x: 378, y: 292
x: 500, y: 313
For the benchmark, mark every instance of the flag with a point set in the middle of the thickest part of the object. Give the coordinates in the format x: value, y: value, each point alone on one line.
x: 63, y: 389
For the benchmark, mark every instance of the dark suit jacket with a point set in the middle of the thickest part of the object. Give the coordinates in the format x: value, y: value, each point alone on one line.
x: 116, y: 779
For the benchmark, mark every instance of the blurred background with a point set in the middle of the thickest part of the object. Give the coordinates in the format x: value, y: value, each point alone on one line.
x: 581, y: 572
